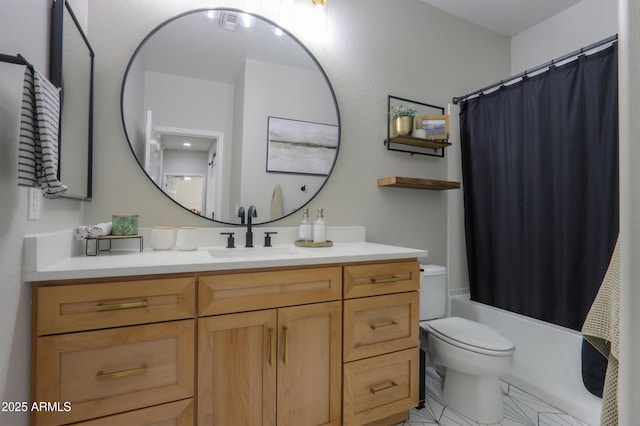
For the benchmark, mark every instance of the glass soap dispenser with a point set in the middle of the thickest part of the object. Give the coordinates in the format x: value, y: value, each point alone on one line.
x: 305, y: 227
x: 319, y: 229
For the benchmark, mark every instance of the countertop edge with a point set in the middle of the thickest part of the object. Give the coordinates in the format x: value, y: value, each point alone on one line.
x: 109, y: 266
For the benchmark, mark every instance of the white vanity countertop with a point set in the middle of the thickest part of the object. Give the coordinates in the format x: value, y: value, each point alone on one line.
x: 131, y: 262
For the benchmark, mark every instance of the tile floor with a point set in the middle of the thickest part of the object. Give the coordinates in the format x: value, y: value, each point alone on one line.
x: 519, y: 409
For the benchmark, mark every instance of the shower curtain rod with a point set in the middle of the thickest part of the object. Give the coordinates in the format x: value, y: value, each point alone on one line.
x: 613, y: 38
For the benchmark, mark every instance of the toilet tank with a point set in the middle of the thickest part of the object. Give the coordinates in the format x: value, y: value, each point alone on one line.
x: 433, y: 292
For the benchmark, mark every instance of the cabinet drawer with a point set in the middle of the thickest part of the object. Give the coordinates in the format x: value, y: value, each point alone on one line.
x: 111, y: 371
x: 381, y: 278
x: 179, y: 413
x: 377, y: 387
x: 381, y: 324
x: 81, y: 307
x: 228, y: 293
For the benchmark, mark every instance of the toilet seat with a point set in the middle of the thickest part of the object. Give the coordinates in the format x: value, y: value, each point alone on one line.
x: 471, y: 336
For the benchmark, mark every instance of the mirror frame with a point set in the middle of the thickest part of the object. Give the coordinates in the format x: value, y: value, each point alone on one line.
x: 56, y: 73
x: 268, y: 21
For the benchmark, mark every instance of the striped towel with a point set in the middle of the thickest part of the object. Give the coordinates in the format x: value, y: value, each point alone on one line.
x: 38, y: 145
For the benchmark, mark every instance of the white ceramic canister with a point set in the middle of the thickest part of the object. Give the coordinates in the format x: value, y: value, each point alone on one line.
x: 420, y: 133
x: 187, y: 238
x: 163, y: 237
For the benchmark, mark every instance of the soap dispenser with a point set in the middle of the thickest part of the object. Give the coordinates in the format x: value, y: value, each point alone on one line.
x: 319, y: 229
x: 305, y: 227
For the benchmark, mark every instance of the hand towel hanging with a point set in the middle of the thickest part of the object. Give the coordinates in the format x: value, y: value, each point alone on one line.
x: 277, y: 203
x: 38, y: 144
x: 601, y: 328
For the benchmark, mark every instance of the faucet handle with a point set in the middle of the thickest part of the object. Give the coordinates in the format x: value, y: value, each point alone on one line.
x: 241, y: 214
x: 267, y: 238
x: 230, y: 239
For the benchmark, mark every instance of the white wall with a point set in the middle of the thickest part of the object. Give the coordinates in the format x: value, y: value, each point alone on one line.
x: 24, y: 28
x: 585, y: 23
x: 629, y: 72
x: 429, y: 57
x: 188, y: 102
x: 295, y: 94
x: 432, y: 57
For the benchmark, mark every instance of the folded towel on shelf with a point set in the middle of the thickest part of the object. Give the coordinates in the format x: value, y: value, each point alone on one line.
x: 38, y: 144
x: 90, y: 231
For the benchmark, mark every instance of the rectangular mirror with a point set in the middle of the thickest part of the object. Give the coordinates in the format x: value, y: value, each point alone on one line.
x: 71, y: 69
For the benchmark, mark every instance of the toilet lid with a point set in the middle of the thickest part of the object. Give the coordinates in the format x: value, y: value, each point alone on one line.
x: 470, y: 333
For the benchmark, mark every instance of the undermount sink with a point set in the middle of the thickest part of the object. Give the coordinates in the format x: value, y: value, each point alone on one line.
x: 258, y: 251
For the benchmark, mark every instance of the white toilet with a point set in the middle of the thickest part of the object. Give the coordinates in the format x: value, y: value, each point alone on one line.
x: 473, y: 354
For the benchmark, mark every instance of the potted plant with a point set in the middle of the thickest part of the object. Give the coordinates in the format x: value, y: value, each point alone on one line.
x: 403, y: 118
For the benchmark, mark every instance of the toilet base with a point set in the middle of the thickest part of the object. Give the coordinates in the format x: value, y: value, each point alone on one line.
x: 476, y: 397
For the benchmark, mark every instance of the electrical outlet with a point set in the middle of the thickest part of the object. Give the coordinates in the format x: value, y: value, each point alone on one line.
x: 33, y: 209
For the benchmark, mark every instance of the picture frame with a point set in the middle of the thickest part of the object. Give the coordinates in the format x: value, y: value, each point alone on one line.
x: 300, y: 147
x: 435, y: 126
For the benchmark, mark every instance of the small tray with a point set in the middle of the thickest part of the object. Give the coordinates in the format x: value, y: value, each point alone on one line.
x: 301, y: 243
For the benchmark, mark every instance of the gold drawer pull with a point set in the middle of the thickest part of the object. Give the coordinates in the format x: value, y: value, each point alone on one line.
x: 116, y: 306
x: 272, y: 346
x: 385, y: 325
x: 382, y: 280
x: 389, y: 386
x: 101, y: 375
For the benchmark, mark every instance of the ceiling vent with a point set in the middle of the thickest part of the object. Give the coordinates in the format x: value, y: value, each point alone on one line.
x: 235, y: 22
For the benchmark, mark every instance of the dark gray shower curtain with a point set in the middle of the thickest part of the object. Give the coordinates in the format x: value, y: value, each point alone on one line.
x: 540, y: 174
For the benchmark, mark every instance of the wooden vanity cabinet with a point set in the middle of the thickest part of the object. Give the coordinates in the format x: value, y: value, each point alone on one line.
x: 323, y: 345
x: 381, y: 340
x: 105, y: 348
x: 278, y: 366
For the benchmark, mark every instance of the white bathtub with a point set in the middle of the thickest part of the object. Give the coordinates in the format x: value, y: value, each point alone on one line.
x: 547, y: 360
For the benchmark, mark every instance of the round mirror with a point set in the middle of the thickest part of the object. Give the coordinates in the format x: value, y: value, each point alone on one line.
x: 224, y: 109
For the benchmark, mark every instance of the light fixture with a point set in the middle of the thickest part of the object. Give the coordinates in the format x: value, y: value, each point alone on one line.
x: 236, y: 21
x: 277, y: 31
x: 186, y: 144
x: 318, y: 18
x: 247, y: 21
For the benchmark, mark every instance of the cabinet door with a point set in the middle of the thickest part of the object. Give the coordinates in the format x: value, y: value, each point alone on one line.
x: 237, y: 369
x: 309, y: 364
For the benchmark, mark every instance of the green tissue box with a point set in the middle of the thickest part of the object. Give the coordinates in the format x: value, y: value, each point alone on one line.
x: 124, y: 224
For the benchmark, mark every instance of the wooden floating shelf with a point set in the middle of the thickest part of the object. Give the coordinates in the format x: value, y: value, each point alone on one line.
x: 421, y: 142
x: 415, y: 183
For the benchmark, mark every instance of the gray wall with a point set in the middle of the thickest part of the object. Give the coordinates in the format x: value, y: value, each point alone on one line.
x: 422, y: 54
x: 24, y: 28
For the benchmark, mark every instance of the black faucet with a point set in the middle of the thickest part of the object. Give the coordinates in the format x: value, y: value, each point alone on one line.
x: 241, y: 215
x: 250, y: 214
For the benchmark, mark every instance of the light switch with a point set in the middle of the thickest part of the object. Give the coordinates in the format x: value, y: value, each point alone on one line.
x: 33, y: 205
